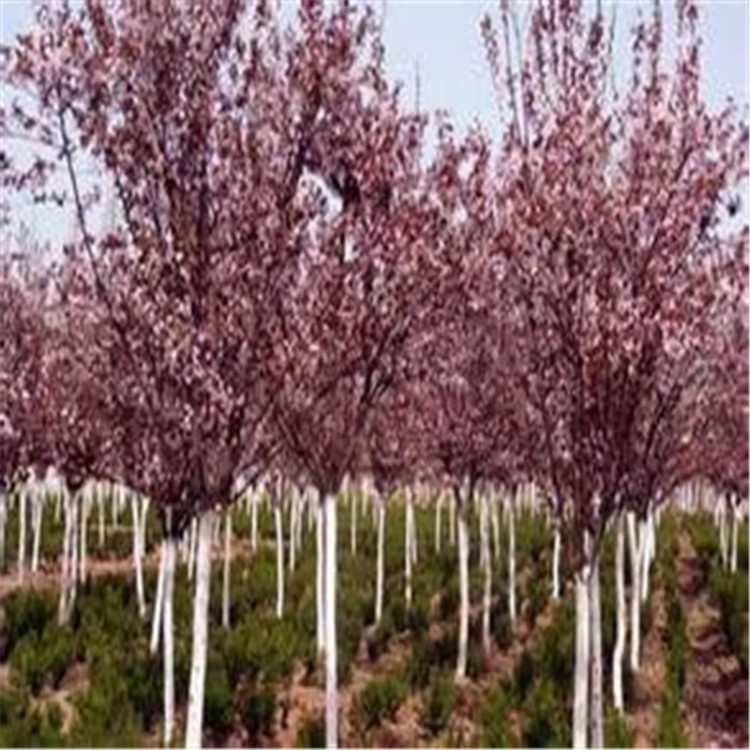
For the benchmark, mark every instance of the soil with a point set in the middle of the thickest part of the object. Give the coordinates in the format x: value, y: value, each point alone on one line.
x: 716, y: 692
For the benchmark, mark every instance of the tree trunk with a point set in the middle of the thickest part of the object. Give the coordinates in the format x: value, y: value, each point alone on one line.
x: 486, y: 561
x: 194, y: 730
x: 596, y: 711
x: 293, y: 521
x: 511, y: 562
x: 192, y: 546
x: 620, y: 614
x: 3, y: 519
x: 37, y: 510
x: 380, y: 565
x: 330, y: 623
x: 320, y: 573
x: 735, y: 535
x: 463, y: 573
x: 635, y: 597
x: 170, y: 558
x: 495, y: 515
x: 278, y: 523
x: 452, y: 522
x: 137, y: 509
x: 583, y: 643
x: 83, y: 536
x: 643, y: 549
x: 62, y: 610
x: 156, y: 624
x: 102, y: 520
x: 21, y: 534
x: 556, y: 544
x: 226, y: 582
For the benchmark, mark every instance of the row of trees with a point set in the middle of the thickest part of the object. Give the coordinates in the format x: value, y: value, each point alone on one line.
x: 285, y: 285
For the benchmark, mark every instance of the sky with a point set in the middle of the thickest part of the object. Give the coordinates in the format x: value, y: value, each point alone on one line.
x: 441, y: 39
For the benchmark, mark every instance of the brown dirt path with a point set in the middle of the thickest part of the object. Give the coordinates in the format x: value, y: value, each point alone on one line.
x: 716, y: 691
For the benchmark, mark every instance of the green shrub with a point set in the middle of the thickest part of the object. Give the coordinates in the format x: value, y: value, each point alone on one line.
x: 438, y: 704
x: 418, y: 666
x: 258, y: 709
x: 27, y: 613
x: 669, y: 730
x: 44, y: 659
x: 495, y: 730
x: 312, y: 733
x: 380, y: 700
x: 217, y: 705
x: 730, y: 590
x: 546, y: 722
x: 618, y: 731
x: 22, y: 725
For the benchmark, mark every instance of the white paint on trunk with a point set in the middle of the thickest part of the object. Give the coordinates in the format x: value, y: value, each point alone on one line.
x: 330, y: 623
x: 644, y: 552
x: 62, y: 610
x: 254, y: 521
x: 486, y: 562
x: 227, y: 572
x: 278, y: 524
x: 556, y: 544
x: 170, y: 559
x: 495, y: 511
x: 102, y: 520
x: 21, y: 562
x: 635, y: 597
x: 156, y: 624
x: 293, y: 521
x: 82, y: 534
x: 3, y: 520
x: 581, y: 677
x: 452, y: 521
x: 353, y: 530
x: 137, y: 509
x: 618, y: 653
x: 380, y: 563
x: 408, y: 554
x: 596, y: 691
x: 735, y: 535
x: 37, y: 510
x: 463, y: 578
x: 192, y: 546
x: 319, y: 575
x: 194, y: 730
x: 438, y: 521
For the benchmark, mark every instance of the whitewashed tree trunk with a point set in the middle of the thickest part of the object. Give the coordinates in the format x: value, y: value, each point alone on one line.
x: 62, y: 610
x: 581, y: 677
x: 21, y: 534
x: 170, y: 560
x: 486, y: 561
x: 137, y: 509
x: 380, y: 562
x: 620, y: 614
x: 723, y: 543
x: 293, y: 521
x: 735, y: 535
x: 192, y: 546
x: 330, y: 623
x: 596, y: 709
x: 495, y: 515
x: 278, y: 524
x: 194, y: 730
x: 511, y: 561
x: 227, y: 572
x: 37, y: 510
x: 556, y: 544
x: 82, y: 534
x: 320, y: 575
x: 463, y: 577
x: 635, y: 597
x: 156, y: 621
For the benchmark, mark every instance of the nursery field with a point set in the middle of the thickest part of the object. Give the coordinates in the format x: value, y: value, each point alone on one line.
x: 95, y: 682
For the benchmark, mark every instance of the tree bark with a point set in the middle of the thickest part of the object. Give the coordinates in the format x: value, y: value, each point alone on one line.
x: 408, y: 554
x: 438, y: 520
x: 556, y: 544
x: 37, y: 510
x: 463, y: 572
x: 194, y: 730
x: 620, y: 614
x: 21, y: 534
x: 330, y: 623
x: 137, y: 510
x: 353, y: 529
x: 254, y: 521
x: 486, y: 561
x: 511, y: 561
x: 83, y: 535
x: 735, y: 535
x: 320, y: 573
x: 452, y: 521
x: 3, y: 519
